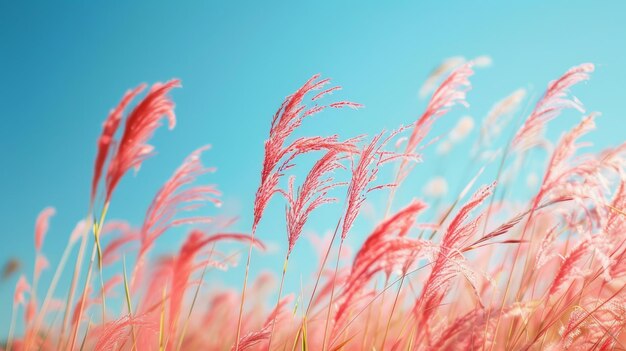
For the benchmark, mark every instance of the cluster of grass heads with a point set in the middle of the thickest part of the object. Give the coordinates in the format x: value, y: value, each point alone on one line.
x: 485, y: 271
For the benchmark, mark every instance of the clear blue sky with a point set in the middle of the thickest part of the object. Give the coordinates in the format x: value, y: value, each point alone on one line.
x: 65, y: 65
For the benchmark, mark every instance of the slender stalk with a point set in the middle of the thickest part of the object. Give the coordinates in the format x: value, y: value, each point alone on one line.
x: 83, y: 298
x: 46, y: 333
x: 280, y: 292
x: 75, y: 276
x: 11, y: 327
x: 372, y: 301
x: 332, y: 292
x: 367, y: 322
x: 243, y: 293
x: 30, y: 332
x: 305, y: 345
x: 128, y: 302
x: 162, y: 320
x: 53, y: 284
x: 97, y: 232
x: 380, y: 312
x: 82, y: 344
x: 193, y: 302
x: 319, y: 274
x: 97, y: 227
x: 393, y: 308
x: 491, y: 201
x: 514, y: 263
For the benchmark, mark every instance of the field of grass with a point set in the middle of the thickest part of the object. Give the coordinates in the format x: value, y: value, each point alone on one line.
x: 486, y: 271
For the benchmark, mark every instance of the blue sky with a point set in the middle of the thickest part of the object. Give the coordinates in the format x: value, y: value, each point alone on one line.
x: 64, y: 65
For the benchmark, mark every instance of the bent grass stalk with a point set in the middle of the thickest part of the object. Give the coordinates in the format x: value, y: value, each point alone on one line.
x: 75, y: 277
x: 96, y: 229
x: 96, y: 234
x: 332, y: 291
x: 83, y: 298
x: 11, y: 327
x: 162, y: 320
x: 53, y: 284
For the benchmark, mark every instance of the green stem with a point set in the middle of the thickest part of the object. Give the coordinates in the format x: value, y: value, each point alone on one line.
x: 129, y: 303
x: 280, y: 292
x: 243, y: 293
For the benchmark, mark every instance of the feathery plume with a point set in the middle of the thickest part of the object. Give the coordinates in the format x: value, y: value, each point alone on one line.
x: 449, y: 260
x: 312, y: 194
x: 397, y: 225
x: 183, y: 265
x: 386, y: 249
x: 554, y: 100
x: 21, y: 288
x: 499, y: 116
x: 106, y: 139
x: 111, y: 333
x: 112, y: 251
x: 445, y: 67
x: 450, y: 93
x: 41, y: 226
x: 569, y: 267
x: 285, y: 121
x: 141, y: 123
x: 466, y: 332
x: 364, y: 173
x: 565, y: 149
x: 254, y: 338
x: 172, y: 200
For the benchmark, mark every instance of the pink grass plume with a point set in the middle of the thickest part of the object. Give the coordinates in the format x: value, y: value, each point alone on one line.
x: 285, y: 121
x: 387, y: 249
x: 451, y: 92
x: 177, y: 196
x: 364, y: 172
x: 553, y: 102
x: 311, y: 194
x: 21, y: 288
x: 132, y: 149
x: 41, y: 226
x: 41, y: 263
x: 106, y: 140
x: 449, y: 261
